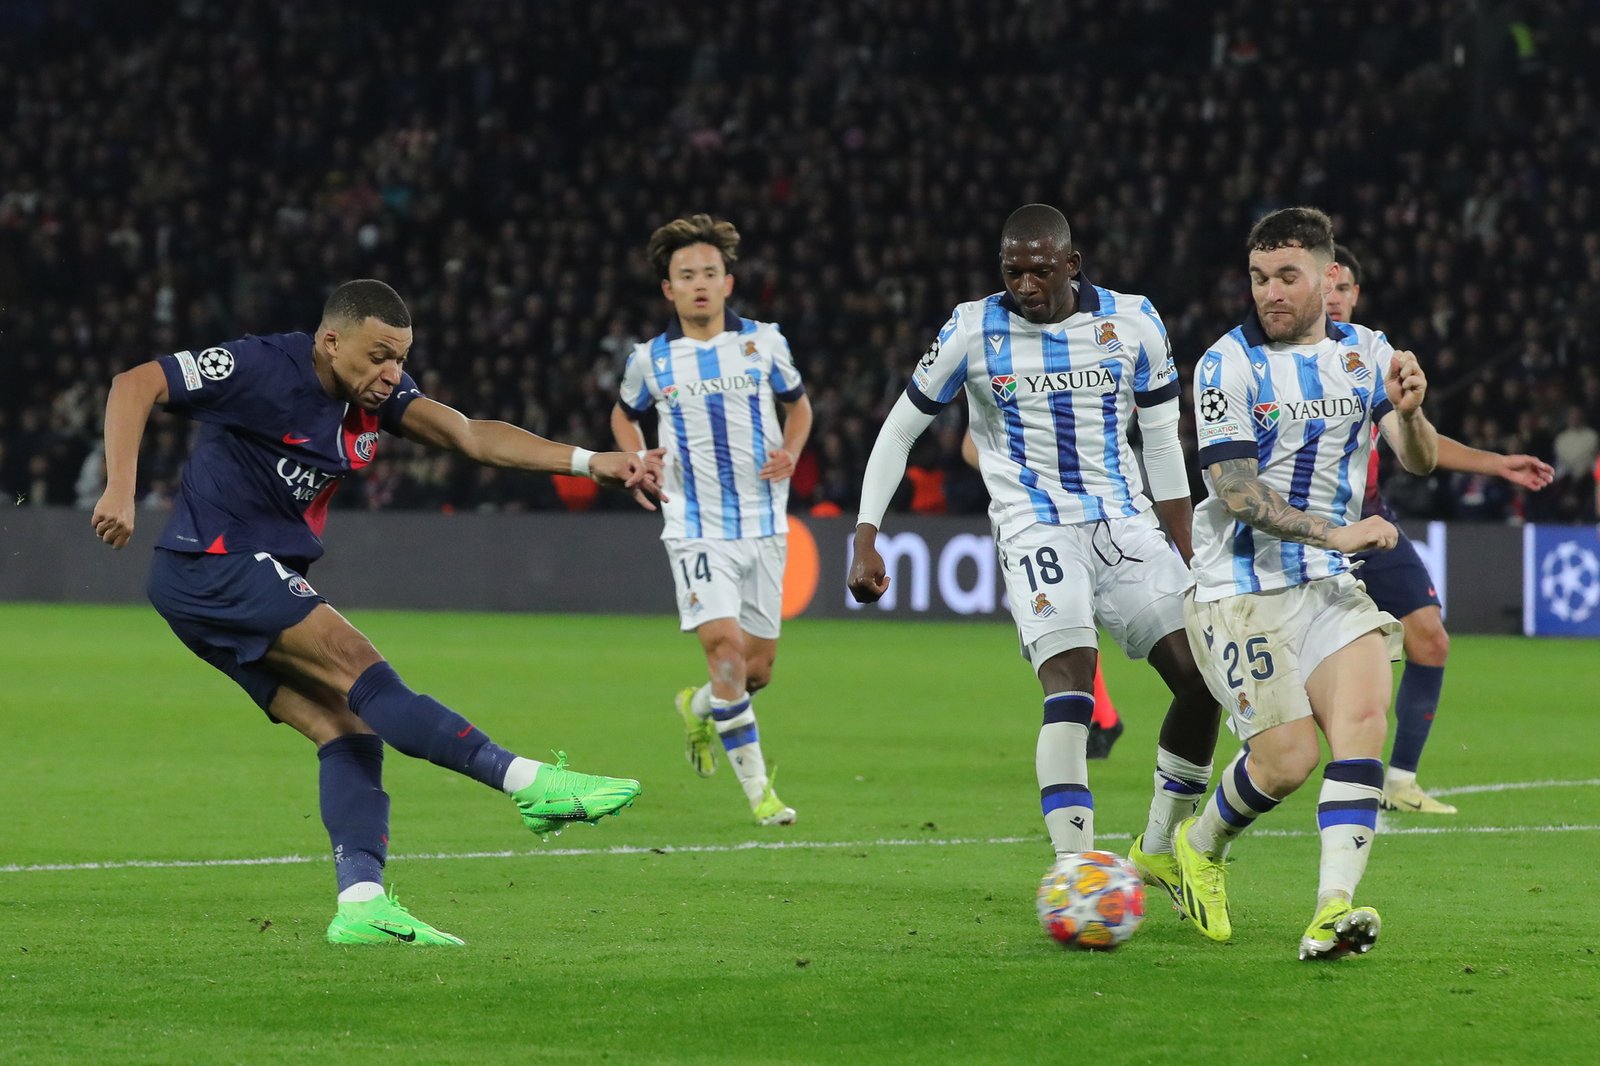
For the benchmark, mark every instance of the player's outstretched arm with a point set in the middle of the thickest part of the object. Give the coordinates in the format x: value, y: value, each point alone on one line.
x: 1406, y: 428
x: 1237, y: 482
x: 1528, y: 471
x: 133, y: 393
x: 503, y: 445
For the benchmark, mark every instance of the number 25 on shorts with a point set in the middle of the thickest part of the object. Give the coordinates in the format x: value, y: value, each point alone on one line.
x: 1257, y: 658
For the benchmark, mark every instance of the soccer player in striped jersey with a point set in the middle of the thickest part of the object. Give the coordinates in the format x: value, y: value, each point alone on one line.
x: 717, y: 382
x: 1055, y: 368
x: 1398, y: 583
x: 1289, y: 640
x: 1106, y: 725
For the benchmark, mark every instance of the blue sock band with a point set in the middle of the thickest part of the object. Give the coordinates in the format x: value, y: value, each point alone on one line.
x: 1414, y: 707
x: 355, y: 808
x: 423, y: 728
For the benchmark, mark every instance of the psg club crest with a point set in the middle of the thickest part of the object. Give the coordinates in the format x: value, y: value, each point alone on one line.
x: 1105, y: 335
x: 1004, y: 386
x: 1266, y: 415
x: 1355, y: 367
x: 366, y: 446
x: 300, y: 586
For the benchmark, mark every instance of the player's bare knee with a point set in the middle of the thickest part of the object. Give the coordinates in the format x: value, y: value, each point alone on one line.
x: 1427, y: 644
x: 758, y: 675
x: 1284, y: 767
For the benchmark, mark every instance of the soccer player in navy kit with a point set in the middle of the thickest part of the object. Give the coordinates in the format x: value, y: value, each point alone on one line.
x: 283, y: 419
x: 1398, y: 583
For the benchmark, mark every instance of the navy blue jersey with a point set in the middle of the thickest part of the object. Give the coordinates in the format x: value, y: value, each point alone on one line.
x: 271, y: 449
x: 1373, y: 503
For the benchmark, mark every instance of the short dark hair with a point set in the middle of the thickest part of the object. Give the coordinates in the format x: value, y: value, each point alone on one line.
x: 691, y: 230
x: 1293, y: 227
x: 1034, y: 222
x: 1347, y: 259
x: 364, y: 298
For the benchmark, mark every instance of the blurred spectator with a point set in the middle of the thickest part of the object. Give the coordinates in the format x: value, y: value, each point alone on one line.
x: 502, y: 163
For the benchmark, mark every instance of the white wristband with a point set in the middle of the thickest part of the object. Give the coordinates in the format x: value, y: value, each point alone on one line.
x: 580, y: 462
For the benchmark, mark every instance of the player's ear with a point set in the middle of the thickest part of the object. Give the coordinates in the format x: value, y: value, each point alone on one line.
x: 666, y: 288
x: 727, y: 285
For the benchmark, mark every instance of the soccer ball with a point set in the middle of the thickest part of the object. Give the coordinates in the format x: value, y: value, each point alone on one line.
x: 1091, y: 899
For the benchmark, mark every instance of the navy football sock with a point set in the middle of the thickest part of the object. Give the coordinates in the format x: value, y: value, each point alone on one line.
x: 423, y: 728
x: 355, y: 808
x: 1414, y: 707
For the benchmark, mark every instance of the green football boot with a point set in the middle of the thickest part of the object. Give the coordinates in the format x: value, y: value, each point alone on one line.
x: 384, y: 921
x: 701, y: 750
x: 771, y: 810
x: 1202, y: 886
x: 558, y: 797
x: 1158, y: 871
x: 1339, y: 930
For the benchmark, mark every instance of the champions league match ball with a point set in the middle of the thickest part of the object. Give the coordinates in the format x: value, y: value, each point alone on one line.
x: 1092, y: 900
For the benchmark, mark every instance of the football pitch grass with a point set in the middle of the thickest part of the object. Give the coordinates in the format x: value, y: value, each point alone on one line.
x: 164, y: 885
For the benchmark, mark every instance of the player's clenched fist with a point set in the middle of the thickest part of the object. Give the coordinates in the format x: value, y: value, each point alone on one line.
x: 867, y: 581
x: 113, y: 518
x: 1405, y: 383
x: 1372, y: 532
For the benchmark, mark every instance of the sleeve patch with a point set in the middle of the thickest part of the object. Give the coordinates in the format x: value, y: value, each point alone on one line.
x: 191, y: 372
x: 1225, y: 429
x: 215, y: 363
x: 1213, y: 405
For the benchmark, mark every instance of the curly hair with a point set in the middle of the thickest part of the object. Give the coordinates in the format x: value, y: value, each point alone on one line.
x: 695, y: 229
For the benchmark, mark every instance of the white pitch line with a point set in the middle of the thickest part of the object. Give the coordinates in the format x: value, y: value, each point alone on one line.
x: 806, y: 845
x: 1513, y: 786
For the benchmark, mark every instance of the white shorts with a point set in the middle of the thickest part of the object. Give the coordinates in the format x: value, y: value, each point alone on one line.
x: 1121, y: 572
x: 1256, y: 650
x: 740, y: 579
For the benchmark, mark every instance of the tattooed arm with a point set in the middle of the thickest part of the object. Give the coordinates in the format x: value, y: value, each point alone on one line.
x: 1237, y: 483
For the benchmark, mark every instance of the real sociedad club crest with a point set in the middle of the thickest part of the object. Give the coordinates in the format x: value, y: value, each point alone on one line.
x: 1105, y: 335
x: 1355, y: 367
x: 750, y: 350
x: 1042, y: 607
x: 1004, y: 386
x: 1266, y: 415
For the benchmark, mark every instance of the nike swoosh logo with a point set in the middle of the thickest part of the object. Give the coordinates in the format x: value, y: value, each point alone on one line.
x: 405, y: 938
x: 290, y: 438
x: 464, y: 732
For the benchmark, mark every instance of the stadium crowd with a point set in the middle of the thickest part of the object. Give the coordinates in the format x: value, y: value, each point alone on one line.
x: 169, y: 182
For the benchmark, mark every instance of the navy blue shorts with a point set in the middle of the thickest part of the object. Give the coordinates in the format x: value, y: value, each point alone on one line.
x: 229, y: 609
x: 1396, y: 580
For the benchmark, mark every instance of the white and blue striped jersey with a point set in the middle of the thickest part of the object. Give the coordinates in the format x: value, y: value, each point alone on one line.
x: 1049, y: 405
x: 1305, y: 413
x: 719, y: 419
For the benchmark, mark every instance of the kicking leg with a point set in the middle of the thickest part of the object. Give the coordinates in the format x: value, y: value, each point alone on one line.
x: 325, y: 652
